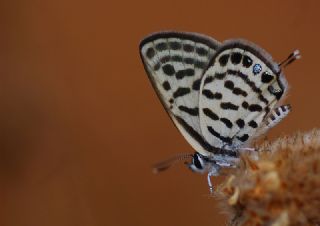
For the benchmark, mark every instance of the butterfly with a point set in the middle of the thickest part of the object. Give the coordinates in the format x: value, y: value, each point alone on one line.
x: 220, y: 96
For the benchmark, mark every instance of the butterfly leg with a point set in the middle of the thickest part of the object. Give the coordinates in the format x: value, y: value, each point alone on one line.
x: 275, y: 116
x: 209, y: 182
x: 214, y: 171
x: 247, y: 149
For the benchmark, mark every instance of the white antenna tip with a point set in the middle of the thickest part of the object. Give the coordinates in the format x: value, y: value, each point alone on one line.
x: 296, y: 54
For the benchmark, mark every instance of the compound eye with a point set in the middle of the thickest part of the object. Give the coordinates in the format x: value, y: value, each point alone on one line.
x: 197, y: 161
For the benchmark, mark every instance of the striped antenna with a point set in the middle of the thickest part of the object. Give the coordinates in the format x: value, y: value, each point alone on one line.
x: 295, y: 55
x: 161, y: 166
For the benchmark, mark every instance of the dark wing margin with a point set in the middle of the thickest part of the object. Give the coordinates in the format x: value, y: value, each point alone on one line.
x: 195, y: 37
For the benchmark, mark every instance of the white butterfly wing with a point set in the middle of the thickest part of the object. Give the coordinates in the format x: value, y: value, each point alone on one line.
x: 239, y: 89
x: 175, y: 63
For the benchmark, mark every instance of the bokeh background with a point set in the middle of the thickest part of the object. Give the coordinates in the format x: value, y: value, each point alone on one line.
x: 81, y: 125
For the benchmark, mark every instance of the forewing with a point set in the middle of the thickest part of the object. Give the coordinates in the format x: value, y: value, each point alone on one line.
x: 175, y: 63
x: 240, y: 87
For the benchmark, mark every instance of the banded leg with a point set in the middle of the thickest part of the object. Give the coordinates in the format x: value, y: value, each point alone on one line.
x: 274, y: 118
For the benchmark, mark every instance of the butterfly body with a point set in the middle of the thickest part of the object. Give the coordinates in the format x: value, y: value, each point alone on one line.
x: 220, y: 96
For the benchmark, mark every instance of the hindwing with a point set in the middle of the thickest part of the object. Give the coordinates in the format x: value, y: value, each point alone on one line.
x: 239, y: 89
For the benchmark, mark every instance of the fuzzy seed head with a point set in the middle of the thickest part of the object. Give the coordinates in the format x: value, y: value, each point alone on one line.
x: 280, y: 188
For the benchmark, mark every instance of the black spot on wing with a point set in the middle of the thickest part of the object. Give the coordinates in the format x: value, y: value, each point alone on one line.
x: 255, y: 107
x: 201, y: 51
x: 227, y: 122
x: 229, y: 84
x: 243, y: 138
x: 210, y: 114
x: 246, y: 61
x: 223, y: 60
x: 186, y: 72
x: 227, y: 140
x: 229, y: 106
x: 161, y: 46
x: 235, y: 90
x: 150, y: 53
x: 181, y: 91
x: 188, y: 60
x: 218, y: 96
x: 196, y: 84
x: 176, y: 58
x: 190, y: 111
x: 208, y: 79
x: 165, y: 59
x: 263, y: 99
x: 266, y: 77
x: 210, y: 95
x: 211, y: 78
x: 200, y: 64
x: 166, y: 85
x: 207, y: 93
x: 188, y: 48
x: 253, y: 124
x: 239, y: 91
x: 245, y: 104
x: 236, y: 58
x: 220, y: 76
x: 175, y: 45
x: 168, y: 69
x: 240, y: 123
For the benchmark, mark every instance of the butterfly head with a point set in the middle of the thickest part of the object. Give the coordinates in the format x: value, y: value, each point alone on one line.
x: 200, y: 163
x: 197, y: 163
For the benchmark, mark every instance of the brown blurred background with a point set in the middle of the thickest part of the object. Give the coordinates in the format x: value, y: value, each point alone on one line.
x: 81, y: 125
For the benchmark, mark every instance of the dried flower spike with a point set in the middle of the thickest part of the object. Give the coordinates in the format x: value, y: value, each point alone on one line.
x: 281, y: 187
